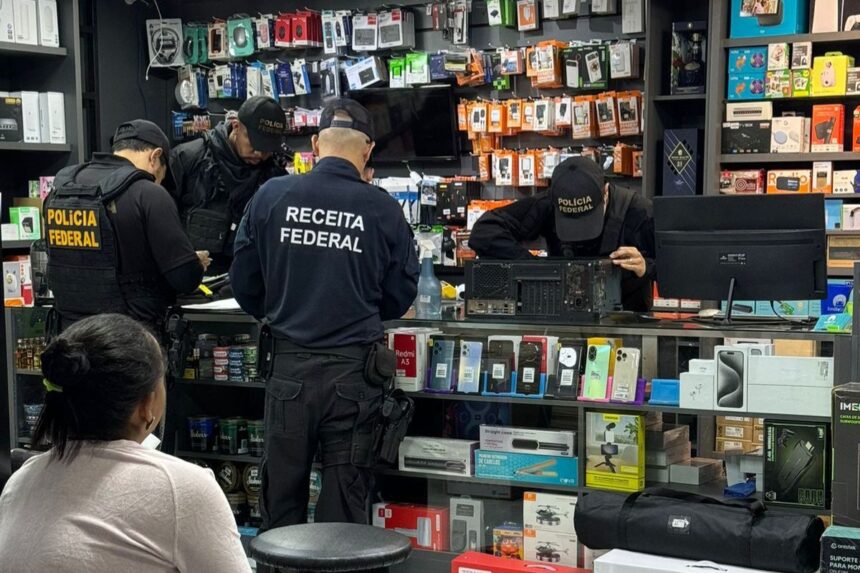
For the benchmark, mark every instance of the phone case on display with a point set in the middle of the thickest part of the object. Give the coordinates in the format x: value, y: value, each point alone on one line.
x: 529, y: 368
x: 500, y: 362
x: 469, y: 377
x: 442, y: 365
x: 571, y: 355
x: 596, y: 379
x: 626, y: 376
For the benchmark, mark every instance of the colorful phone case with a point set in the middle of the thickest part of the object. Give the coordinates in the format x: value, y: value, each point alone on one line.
x: 596, y: 380
x: 469, y: 377
x: 626, y: 375
x: 442, y: 366
x: 529, y: 368
x: 501, y: 358
x: 571, y: 359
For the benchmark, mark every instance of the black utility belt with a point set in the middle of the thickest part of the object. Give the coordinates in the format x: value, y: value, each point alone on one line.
x: 356, y: 351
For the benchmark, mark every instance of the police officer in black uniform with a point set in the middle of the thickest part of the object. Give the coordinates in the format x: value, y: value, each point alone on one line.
x: 323, y: 259
x: 580, y: 216
x: 114, y: 239
x: 215, y: 176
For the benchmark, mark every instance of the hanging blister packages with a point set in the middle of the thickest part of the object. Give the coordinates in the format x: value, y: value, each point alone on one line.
x: 502, y: 13
x: 269, y: 81
x: 254, y: 72
x: 284, y: 77
x: 396, y: 29
x: 365, y: 32
x: 417, y: 68
x: 301, y: 79
x: 190, y: 45
x: 240, y: 37
x: 187, y: 88
x: 328, y: 31
x: 330, y: 78
x: 264, y: 27
x: 458, y: 22
x: 217, y: 34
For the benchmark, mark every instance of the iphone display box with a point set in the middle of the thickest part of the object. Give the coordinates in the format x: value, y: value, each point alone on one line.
x: 473, y: 562
x: 549, y: 512
x: 527, y: 468
x: 731, y: 381
x: 618, y: 561
x: 426, y: 527
x: 437, y: 456
x: 550, y: 547
x: 846, y: 455
x: 797, y: 464
x: 528, y: 441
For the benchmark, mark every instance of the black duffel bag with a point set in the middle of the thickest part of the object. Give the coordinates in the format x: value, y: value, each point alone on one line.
x: 688, y: 526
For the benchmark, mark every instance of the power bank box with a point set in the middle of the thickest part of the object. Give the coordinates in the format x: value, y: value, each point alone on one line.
x: 437, y: 456
x: 615, y: 451
x: 550, y: 547
x: 549, y: 512
x: 746, y: 137
x: 846, y: 455
x: 527, y: 440
x: 527, y: 468
x: 32, y: 128
x: 426, y: 527
x: 797, y: 464
x: 840, y: 549
x: 49, y: 29
x: 52, y: 117
x: 467, y: 525
x: 682, y: 162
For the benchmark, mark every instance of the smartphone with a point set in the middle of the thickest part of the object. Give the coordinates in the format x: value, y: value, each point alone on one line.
x: 469, y: 376
x: 500, y: 363
x: 730, y: 379
x: 596, y: 379
x: 569, y: 371
x: 529, y: 368
x: 442, y: 366
x: 626, y: 375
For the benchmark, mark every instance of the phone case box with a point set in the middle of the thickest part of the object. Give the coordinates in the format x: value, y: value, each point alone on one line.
x: 528, y: 440
x: 793, y: 19
x: 549, y: 512
x: 550, y: 547
x: 615, y: 451
x: 426, y: 527
x: 527, y: 468
x: 797, y: 464
x: 830, y: 74
x: 437, y: 456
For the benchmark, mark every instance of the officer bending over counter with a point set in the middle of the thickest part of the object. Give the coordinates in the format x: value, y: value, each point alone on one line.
x: 114, y: 239
x: 581, y: 216
x: 324, y: 258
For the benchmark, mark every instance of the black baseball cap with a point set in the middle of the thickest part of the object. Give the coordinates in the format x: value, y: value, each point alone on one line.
x: 265, y: 121
x: 577, y: 197
x: 142, y: 130
x: 360, y: 118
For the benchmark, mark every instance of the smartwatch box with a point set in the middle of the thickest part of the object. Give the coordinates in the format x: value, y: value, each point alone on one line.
x: 797, y: 464
x: 746, y: 137
x: 549, y: 512
x: 528, y: 468
x: 437, y: 456
x: 528, y: 440
x: 426, y: 527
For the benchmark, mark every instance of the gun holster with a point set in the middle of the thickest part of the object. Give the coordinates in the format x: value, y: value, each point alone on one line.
x: 393, y: 422
x: 178, y: 333
x: 265, y: 353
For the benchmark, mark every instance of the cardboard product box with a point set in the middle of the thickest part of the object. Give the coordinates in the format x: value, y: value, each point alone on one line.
x: 528, y: 468
x: 746, y: 137
x: 52, y: 116
x: 668, y: 436
x: 830, y: 74
x: 736, y: 420
x: 789, y: 135
x: 528, y: 440
x: 845, y: 181
x: 426, y: 527
x: 508, y: 541
x: 749, y: 86
x: 696, y: 471
x: 550, y: 547
x: 795, y: 348
x: 7, y: 22
x: 840, y: 549
x: 793, y: 19
x: 30, y: 124
x: 615, y: 451
x: 697, y: 391
x: 472, y: 562
x: 778, y: 84
x: 797, y: 464
x: 744, y: 433
x: 11, y: 119
x: 747, y: 60
x: 791, y: 371
x: 828, y: 128
x: 618, y: 561
x: 549, y: 512
x: 666, y: 457
x: 800, y: 83
x: 727, y: 444
x: 437, y: 456
x: 28, y: 220
x: 789, y: 181
x: 49, y: 28
x: 467, y: 525
x: 822, y: 177
x: 682, y: 162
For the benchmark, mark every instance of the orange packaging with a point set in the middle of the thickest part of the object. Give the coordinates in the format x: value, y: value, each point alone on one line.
x: 484, y: 167
x: 528, y: 122
x: 498, y: 118
x: 528, y: 169
x: 828, y: 128
x: 622, y: 159
x: 789, y: 181
x: 462, y: 117
x: 507, y: 168
x: 637, y: 163
x: 515, y: 113
x: 531, y: 63
x: 629, y: 105
x: 607, y: 116
x: 563, y: 113
x: 855, y: 131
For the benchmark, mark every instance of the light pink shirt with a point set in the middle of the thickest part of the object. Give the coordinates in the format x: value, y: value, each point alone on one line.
x: 117, y: 507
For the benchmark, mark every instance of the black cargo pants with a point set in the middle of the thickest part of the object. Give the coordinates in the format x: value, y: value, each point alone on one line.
x: 318, y: 398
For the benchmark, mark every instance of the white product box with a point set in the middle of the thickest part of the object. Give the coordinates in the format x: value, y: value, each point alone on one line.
x: 49, y: 27
x: 789, y: 135
x: 365, y: 32
x: 850, y: 217
x: 697, y: 391
x: 32, y: 128
x: 164, y: 38
x: 467, y: 524
x: 366, y: 73
x: 26, y: 22
x: 791, y: 371
x: 7, y: 22
x: 52, y: 117
x: 618, y: 561
x: 438, y: 456
x: 589, y: 555
x: 9, y: 232
x: 549, y: 512
x: 529, y: 441
x: 843, y: 181
x: 701, y: 366
x: 756, y: 348
x: 730, y: 384
x: 792, y: 400
x: 550, y: 546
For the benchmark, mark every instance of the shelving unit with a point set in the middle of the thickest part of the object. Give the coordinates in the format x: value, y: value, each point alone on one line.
x: 41, y: 147
x: 768, y: 158
x: 17, y: 245
x: 8, y: 49
x: 479, y: 481
x: 825, y: 38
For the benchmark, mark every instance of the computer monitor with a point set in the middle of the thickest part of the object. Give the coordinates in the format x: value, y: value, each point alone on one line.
x: 752, y: 247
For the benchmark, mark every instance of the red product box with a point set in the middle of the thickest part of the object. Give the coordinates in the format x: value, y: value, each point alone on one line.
x: 855, y: 130
x: 828, y: 128
x: 301, y: 24
x: 426, y: 527
x: 284, y: 31
x: 473, y: 561
x: 542, y: 340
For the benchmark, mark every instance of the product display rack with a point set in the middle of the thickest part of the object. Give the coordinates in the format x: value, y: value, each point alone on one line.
x: 25, y: 385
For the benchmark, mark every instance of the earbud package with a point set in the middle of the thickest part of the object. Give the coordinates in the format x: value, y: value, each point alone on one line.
x: 365, y: 32
x: 240, y: 37
x: 164, y: 38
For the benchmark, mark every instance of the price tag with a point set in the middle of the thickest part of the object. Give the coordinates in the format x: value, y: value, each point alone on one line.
x: 442, y: 370
x: 529, y: 375
x: 566, y: 378
x: 498, y: 371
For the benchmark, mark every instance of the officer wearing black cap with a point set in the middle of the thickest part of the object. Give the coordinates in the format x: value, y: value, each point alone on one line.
x: 324, y: 258
x: 114, y: 239
x: 580, y: 216
x: 215, y: 176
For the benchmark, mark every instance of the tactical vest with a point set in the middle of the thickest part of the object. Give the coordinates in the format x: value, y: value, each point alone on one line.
x: 209, y: 223
x: 83, y: 261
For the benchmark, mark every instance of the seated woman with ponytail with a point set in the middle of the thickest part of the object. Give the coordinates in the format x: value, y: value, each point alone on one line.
x: 99, y: 501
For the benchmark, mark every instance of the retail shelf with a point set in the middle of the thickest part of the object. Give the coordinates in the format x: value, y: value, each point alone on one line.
x: 839, y: 272
x: 10, y: 49
x: 22, y: 372
x: 16, y: 245
x: 842, y: 196
x: 478, y: 480
x: 843, y: 232
x: 810, y: 99
x: 227, y: 384
x: 761, y: 158
x: 218, y: 457
x: 681, y: 97
x: 826, y: 38
x: 19, y: 146
x: 599, y: 406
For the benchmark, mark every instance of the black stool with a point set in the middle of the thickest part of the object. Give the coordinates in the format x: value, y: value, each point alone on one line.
x: 329, y: 548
